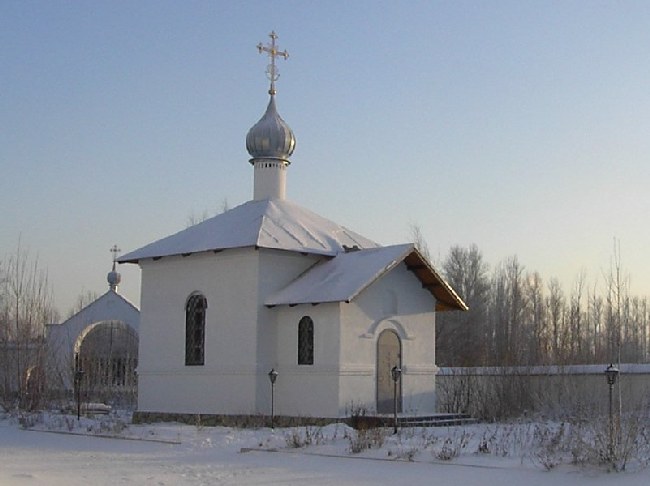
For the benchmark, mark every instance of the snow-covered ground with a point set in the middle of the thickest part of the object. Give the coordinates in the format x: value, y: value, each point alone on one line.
x: 57, y: 450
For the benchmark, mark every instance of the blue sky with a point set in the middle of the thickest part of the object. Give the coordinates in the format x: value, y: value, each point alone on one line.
x: 522, y: 126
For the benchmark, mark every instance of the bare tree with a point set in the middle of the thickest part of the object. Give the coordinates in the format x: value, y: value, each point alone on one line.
x: 194, y: 219
x: 538, y: 331
x: 516, y: 319
x: 576, y: 318
x: 462, y: 337
x: 224, y: 205
x: 595, y: 317
x: 83, y: 300
x: 416, y: 236
x: 555, y: 304
x: 26, y: 306
x: 616, y: 297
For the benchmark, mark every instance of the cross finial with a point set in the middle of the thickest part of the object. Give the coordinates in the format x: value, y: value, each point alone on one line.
x: 273, y: 52
x: 114, y: 250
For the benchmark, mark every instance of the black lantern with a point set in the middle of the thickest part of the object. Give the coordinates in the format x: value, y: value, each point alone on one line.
x: 395, y: 373
x: 273, y: 375
x: 611, y: 372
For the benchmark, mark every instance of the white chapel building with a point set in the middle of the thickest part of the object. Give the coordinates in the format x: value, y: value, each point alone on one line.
x: 270, y: 285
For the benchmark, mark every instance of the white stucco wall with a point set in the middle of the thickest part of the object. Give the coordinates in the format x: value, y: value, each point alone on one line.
x: 244, y: 339
x: 270, y: 179
x: 398, y: 302
x: 239, y: 330
x: 279, y: 268
x: 61, y: 338
x: 226, y: 382
x: 308, y: 390
x: 343, y: 376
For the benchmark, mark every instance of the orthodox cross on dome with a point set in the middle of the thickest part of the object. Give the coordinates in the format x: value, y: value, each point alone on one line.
x: 273, y: 52
x: 114, y: 250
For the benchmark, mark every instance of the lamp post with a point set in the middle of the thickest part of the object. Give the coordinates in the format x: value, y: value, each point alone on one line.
x: 395, y: 373
x: 78, y: 376
x: 273, y: 375
x: 611, y: 373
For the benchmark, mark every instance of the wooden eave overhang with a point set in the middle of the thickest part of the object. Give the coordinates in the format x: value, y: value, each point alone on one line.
x: 446, y: 298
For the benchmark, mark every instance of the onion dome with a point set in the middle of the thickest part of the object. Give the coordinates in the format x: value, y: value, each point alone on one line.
x: 271, y: 137
x: 113, y: 277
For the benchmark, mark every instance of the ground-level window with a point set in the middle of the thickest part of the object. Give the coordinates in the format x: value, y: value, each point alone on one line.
x: 306, y: 341
x: 195, y: 329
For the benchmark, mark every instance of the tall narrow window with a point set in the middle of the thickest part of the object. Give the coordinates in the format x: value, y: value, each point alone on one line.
x: 306, y: 341
x: 195, y: 329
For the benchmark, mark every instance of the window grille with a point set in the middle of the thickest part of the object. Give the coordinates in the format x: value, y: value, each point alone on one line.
x: 195, y: 329
x: 306, y: 341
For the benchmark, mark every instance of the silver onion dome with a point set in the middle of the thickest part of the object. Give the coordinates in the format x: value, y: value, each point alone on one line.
x: 271, y: 137
x: 113, y: 277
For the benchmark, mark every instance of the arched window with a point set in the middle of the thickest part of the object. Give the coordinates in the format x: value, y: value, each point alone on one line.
x: 195, y: 329
x: 306, y: 341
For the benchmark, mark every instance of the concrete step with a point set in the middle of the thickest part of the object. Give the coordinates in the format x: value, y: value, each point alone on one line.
x: 437, y: 420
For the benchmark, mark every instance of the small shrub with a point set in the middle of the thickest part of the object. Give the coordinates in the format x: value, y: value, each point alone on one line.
x: 448, y: 451
x: 29, y: 420
x: 452, y: 446
x: 118, y: 427
x: 630, y: 442
x: 364, y: 439
x: 506, y: 439
x: 427, y: 439
x: 549, y: 445
x: 304, y: 437
x: 408, y: 453
x: 486, y: 444
x: 359, y: 418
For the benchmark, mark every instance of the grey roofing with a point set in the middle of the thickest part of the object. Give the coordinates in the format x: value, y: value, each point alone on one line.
x: 342, y: 278
x: 267, y: 223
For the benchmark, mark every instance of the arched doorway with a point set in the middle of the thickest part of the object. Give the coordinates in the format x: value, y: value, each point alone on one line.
x: 107, y: 352
x: 389, y: 354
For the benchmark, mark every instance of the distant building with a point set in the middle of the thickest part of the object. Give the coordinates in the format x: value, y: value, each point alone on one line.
x: 102, y: 341
x: 269, y: 285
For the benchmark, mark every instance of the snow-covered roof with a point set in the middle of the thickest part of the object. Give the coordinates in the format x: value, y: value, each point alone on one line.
x: 267, y: 223
x: 96, y: 309
x: 345, y: 276
x: 283, y: 225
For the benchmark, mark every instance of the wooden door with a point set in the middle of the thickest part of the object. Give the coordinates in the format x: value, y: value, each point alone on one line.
x: 389, y: 354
